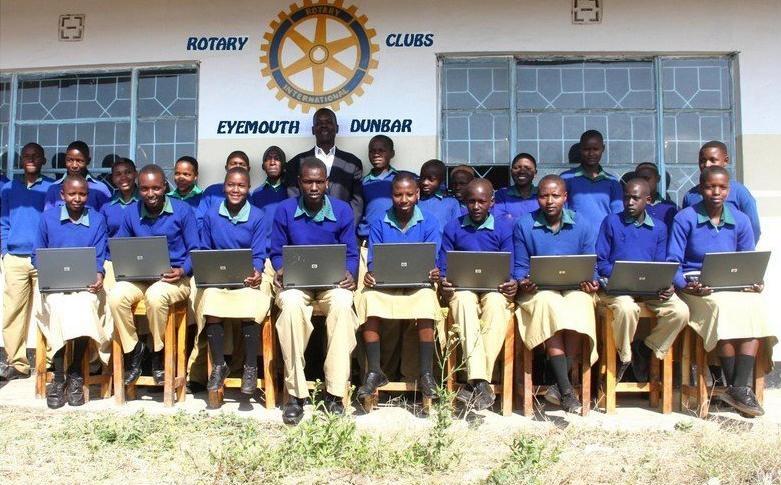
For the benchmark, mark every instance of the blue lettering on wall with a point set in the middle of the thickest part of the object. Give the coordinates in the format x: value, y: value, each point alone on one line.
x: 216, y: 43
x: 409, y: 40
x: 381, y: 126
x: 254, y: 127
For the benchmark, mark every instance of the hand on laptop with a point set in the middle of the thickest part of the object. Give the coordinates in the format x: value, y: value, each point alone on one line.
x: 509, y: 289
x: 756, y: 288
x: 446, y: 287
x: 589, y: 286
x: 348, y: 283
x: 97, y: 286
x: 253, y: 281
x: 666, y: 293
x: 368, y: 280
x: 172, y: 276
x: 433, y: 275
x: 278, y: 282
x: 696, y: 288
x: 527, y: 286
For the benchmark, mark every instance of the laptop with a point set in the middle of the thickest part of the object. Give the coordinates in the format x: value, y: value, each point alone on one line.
x: 478, y: 271
x: 221, y: 268
x: 139, y: 258
x: 640, y: 278
x: 562, y: 272
x: 62, y: 270
x: 404, y: 265
x: 310, y: 266
x: 734, y: 271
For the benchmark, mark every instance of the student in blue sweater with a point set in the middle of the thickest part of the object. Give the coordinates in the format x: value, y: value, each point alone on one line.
x: 123, y: 176
x: 715, y: 153
x: 635, y: 235
x: 77, y: 159
x: 21, y: 204
x: 481, y: 319
x: 593, y: 193
x: 661, y: 208
x: 236, y: 224
x: 460, y: 176
x: 74, y: 316
x: 156, y: 214
x: 730, y: 322
x: 520, y: 198
x: 314, y: 218
x: 186, y: 186
x: 557, y: 319
x: 272, y: 192
x: 434, y: 198
x: 214, y: 193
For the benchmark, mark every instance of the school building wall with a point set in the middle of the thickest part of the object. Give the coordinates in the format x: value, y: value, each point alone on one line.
x: 405, y: 81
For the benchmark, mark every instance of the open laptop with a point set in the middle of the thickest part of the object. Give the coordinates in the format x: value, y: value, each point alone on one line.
x: 221, y: 268
x: 640, y: 278
x: 403, y: 265
x: 734, y: 271
x: 315, y: 266
x: 62, y: 270
x: 139, y: 258
x: 478, y: 271
x: 562, y: 272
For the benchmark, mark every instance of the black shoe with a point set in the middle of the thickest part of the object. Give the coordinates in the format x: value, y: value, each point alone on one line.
x: 641, y: 360
x: 743, y: 400
x: 553, y: 395
x: 136, y: 359
x: 217, y: 377
x: 622, y: 370
x: 465, y: 394
x: 55, y: 394
x: 293, y: 411
x: 75, y: 390
x: 427, y: 386
x: 570, y: 403
x: 334, y: 405
x: 158, y: 373
x: 249, y: 380
x: 9, y: 373
x: 484, y: 396
x: 371, y: 383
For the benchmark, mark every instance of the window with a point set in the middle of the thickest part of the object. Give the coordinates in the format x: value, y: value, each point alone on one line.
x: 147, y: 114
x: 493, y: 108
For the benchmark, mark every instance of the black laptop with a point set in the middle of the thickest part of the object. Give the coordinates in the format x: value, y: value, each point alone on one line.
x: 403, y: 265
x: 562, y: 272
x: 63, y: 270
x: 315, y: 266
x: 640, y: 278
x: 221, y: 268
x: 477, y: 270
x: 734, y: 271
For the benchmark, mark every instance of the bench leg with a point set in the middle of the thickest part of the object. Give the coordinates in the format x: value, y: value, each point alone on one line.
x: 528, y: 385
x: 169, y: 359
x: 450, y: 364
x: 667, y: 383
x: 508, y: 368
x: 609, y: 346
x: 181, y: 356
x: 703, y: 402
x: 85, y: 370
x: 686, y: 369
x: 585, y: 377
x: 269, y: 357
x: 40, y: 365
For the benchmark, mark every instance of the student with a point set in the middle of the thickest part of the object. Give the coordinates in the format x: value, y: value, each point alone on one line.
x: 659, y: 208
x: 593, y: 193
x: 236, y: 224
x: 557, y: 319
x: 156, y: 214
x: 77, y: 159
x: 481, y: 319
x: 314, y: 218
x: 272, y: 192
x: 635, y: 235
x: 74, y: 316
x: 460, y: 177
x: 377, y: 184
x: 123, y: 176
x: 521, y: 197
x: 186, y: 182
x: 715, y: 153
x: 434, y: 199
x: 22, y: 202
x: 731, y: 322
x: 404, y: 222
x: 214, y: 194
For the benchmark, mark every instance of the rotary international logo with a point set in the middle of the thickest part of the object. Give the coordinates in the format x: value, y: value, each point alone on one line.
x: 318, y: 55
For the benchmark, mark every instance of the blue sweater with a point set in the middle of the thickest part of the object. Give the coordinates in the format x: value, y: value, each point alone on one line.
x: 268, y: 195
x: 693, y: 236
x: 210, y: 197
x: 621, y: 239
x: 248, y: 230
x: 114, y: 212
x: 98, y: 194
x: 441, y: 206
x: 20, y: 213
x: 740, y: 198
x: 377, y: 192
x: 421, y: 228
x: 533, y: 237
x: 508, y: 203
x: 56, y: 230
x: 494, y: 235
x: 593, y: 199
x: 177, y: 223
x: 664, y: 210
x: 335, y: 228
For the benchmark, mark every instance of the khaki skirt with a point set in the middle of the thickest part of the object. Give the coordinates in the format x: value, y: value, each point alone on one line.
x: 542, y: 314
x: 239, y: 304
x: 66, y: 316
x: 398, y: 304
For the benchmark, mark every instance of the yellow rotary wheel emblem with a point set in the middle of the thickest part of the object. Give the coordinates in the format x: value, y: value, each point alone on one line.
x: 318, y: 55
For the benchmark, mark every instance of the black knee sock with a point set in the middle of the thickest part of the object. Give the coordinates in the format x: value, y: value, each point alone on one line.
x: 373, y: 356
x: 251, y: 331
x: 426, y: 357
x: 79, y: 347
x: 561, y: 373
x: 744, y: 365
x: 58, y: 361
x: 728, y: 367
x: 215, y: 333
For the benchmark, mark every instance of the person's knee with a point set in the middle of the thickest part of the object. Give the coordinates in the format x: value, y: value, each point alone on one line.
x: 290, y: 299
x: 341, y: 299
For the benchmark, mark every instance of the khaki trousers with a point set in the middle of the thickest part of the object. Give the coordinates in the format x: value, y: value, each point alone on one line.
x: 671, y: 317
x: 20, y: 297
x: 294, y: 328
x: 481, y: 322
x: 158, y: 296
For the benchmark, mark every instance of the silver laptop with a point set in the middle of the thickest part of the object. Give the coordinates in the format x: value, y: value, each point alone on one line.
x: 734, y: 271
x: 316, y: 266
x: 139, y: 258
x: 562, y: 272
x: 62, y: 270
x: 640, y: 278
x: 221, y: 268
x: 403, y: 265
x: 477, y: 270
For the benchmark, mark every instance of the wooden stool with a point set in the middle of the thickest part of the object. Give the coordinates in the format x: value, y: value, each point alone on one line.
x: 174, y: 361
x: 43, y: 377
x: 267, y: 382
x: 694, y: 387
x: 505, y: 389
x: 660, y: 379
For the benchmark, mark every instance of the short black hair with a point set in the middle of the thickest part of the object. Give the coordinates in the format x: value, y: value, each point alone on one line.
x: 405, y: 176
x: 280, y: 153
x: 324, y: 110
x: 74, y: 179
x: 123, y: 161
x: 237, y: 154
x: 553, y: 178
x: 80, y: 146
x: 35, y: 146
x: 310, y: 163
x: 650, y: 165
x: 437, y: 165
x: 188, y: 159
x: 715, y: 144
x: 153, y: 169
x: 479, y: 182
x: 526, y: 156
x: 591, y: 134
x: 638, y: 181
x: 239, y: 170
x: 385, y: 139
x: 713, y: 170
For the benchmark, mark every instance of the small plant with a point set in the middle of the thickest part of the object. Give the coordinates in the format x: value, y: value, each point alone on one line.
x: 528, y: 457
x: 684, y: 426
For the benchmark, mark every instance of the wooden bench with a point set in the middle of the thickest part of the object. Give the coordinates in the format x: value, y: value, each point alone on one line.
x: 43, y: 377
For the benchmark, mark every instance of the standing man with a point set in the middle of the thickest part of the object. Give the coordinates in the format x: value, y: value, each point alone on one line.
x: 344, y: 170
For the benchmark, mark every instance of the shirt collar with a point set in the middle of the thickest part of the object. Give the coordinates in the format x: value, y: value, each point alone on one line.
x: 329, y: 153
x: 513, y: 191
x: 488, y: 223
x: 242, y: 216
x: 37, y: 181
x: 116, y: 198
x: 567, y: 217
x: 325, y: 212
x: 657, y: 199
x: 196, y: 190
x: 275, y: 187
x: 601, y: 175
x: 88, y: 178
x: 82, y: 220
x: 702, y: 216
x: 390, y: 218
x: 647, y: 220
x: 168, y: 208
x: 370, y: 177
